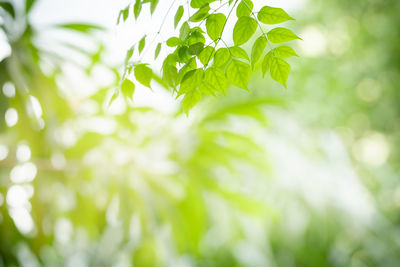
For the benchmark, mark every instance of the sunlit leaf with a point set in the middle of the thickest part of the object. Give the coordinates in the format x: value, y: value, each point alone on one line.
x: 244, y: 28
x: 273, y: 15
x: 281, y: 35
x: 143, y: 74
x: 238, y: 73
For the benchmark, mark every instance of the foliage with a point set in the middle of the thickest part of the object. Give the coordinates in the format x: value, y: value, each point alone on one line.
x: 202, y: 62
x: 303, y: 177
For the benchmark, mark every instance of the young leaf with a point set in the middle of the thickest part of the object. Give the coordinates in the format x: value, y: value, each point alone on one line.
x: 178, y: 16
x: 206, y: 55
x: 284, y: 51
x: 157, y: 51
x: 153, y: 5
x: 273, y: 15
x: 184, y: 31
x: 279, y: 70
x: 216, y: 78
x: 199, y: 3
x: 238, y: 73
x: 243, y: 30
x: 142, y: 43
x: 244, y: 8
x: 143, y: 74
x: 281, y: 35
x: 196, y: 48
x: 201, y: 14
x: 127, y: 88
x: 258, y: 49
x: 238, y: 52
x: 215, y: 25
x: 191, y: 81
x: 266, y: 62
x: 137, y: 8
x: 221, y: 57
x: 173, y: 41
x: 190, y: 100
x: 126, y: 13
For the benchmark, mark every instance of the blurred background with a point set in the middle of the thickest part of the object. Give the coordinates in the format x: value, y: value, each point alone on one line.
x: 307, y: 176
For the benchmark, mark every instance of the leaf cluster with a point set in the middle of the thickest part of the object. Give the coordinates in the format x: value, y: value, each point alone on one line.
x: 201, y: 61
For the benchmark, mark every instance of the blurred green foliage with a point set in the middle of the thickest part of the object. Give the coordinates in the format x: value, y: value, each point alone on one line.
x: 238, y: 183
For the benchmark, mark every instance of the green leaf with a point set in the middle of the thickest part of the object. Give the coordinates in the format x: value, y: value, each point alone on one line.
x: 178, y: 16
x: 206, y: 55
x: 215, y: 25
x: 244, y: 28
x: 279, y: 70
x: 284, y: 51
x: 8, y: 7
x: 190, y: 65
x: 244, y: 8
x: 221, y: 57
x: 196, y: 48
x: 238, y: 73
x: 200, y: 14
x: 190, y: 100
x: 79, y: 27
x: 216, y: 78
x: 191, y: 81
x: 128, y: 88
x: 125, y: 13
x: 266, y: 62
x: 196, y: 37
x: 143, y: 74
x: 238, y: 52
x: 28, y: 5
x: 273, y: 15
x: 157, y: 51
x: 153, y: 5
x: 184, y: 31
x: 258, y: 49
x: 137, y: 8
x: 281, y: 35
x: 199, y: 3
x: 173, y: 41
x: 142, y: 43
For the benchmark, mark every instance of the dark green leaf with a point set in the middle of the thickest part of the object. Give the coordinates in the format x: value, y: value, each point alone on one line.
x: 8, y: 7
x: 196, y: 48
